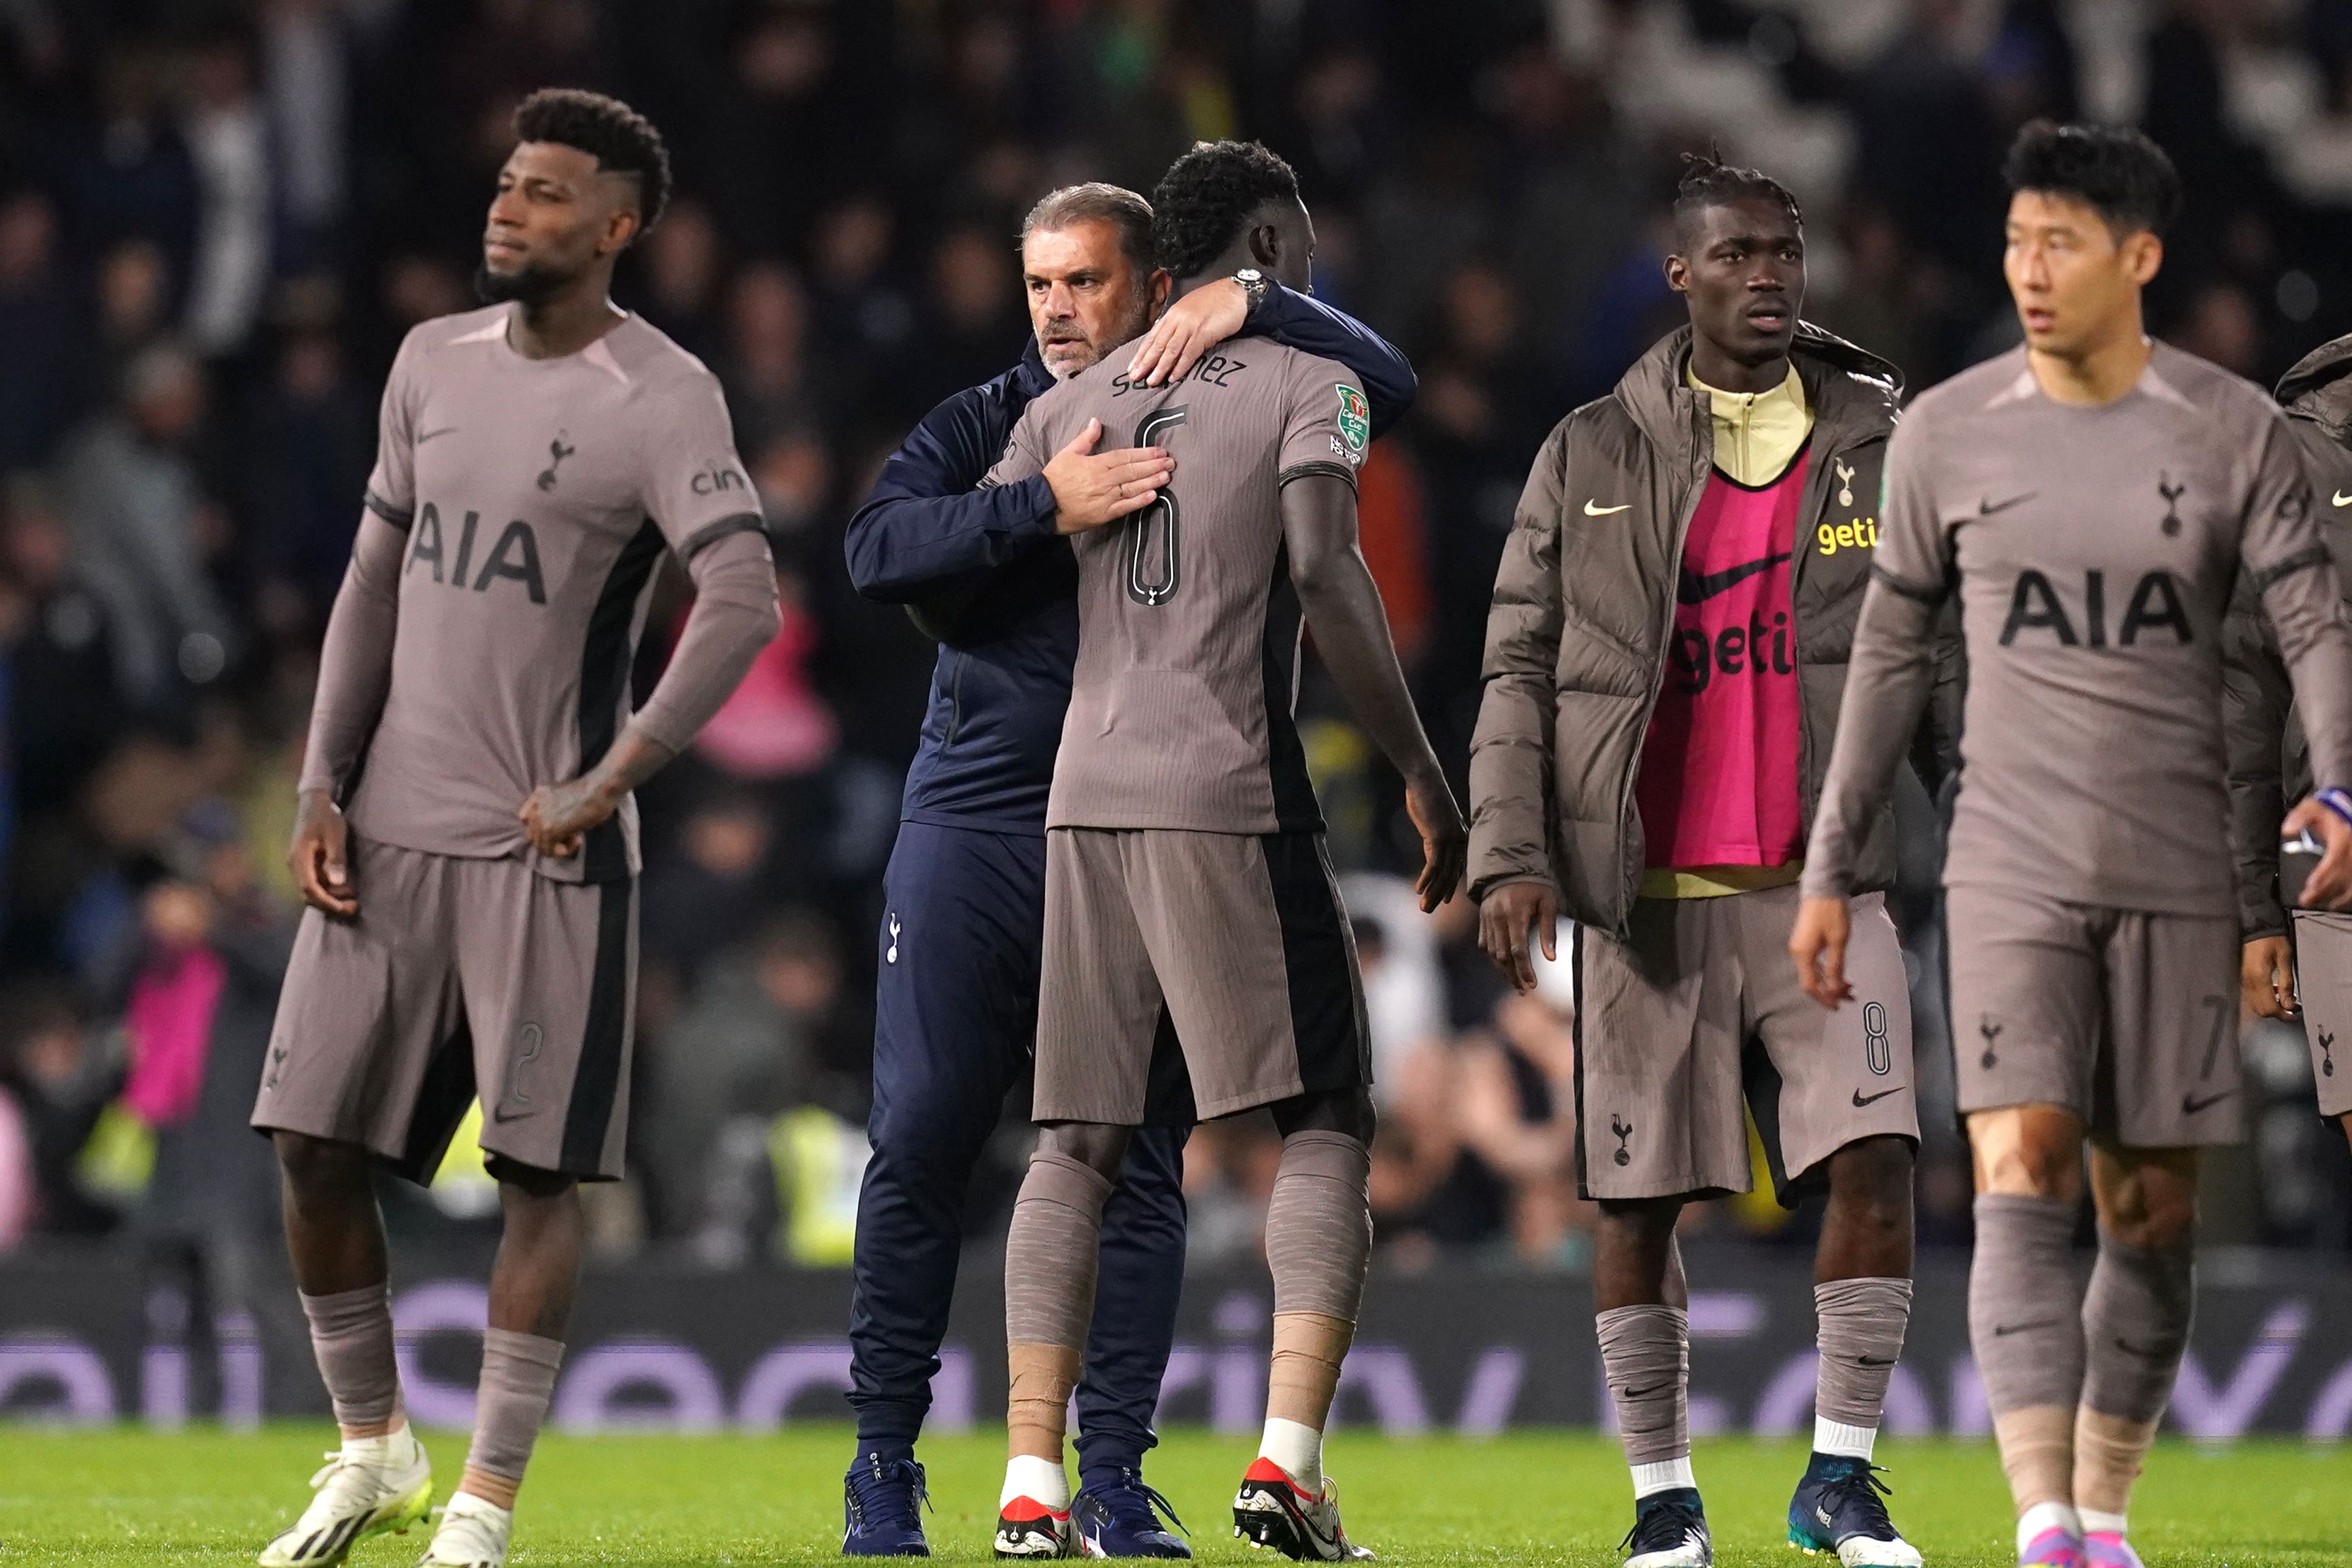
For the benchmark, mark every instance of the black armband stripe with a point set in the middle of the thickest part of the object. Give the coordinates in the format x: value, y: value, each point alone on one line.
x: 1308, y: 470
x: 1909, y: 590
x: 711, y: 533
x: 2301, y: 560
x: 389, y: 513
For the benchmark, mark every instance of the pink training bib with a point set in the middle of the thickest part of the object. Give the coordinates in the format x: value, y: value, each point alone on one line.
x: 1718, y: 779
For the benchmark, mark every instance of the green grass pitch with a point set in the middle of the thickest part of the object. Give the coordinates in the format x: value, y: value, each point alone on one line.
x: 207, y: 1497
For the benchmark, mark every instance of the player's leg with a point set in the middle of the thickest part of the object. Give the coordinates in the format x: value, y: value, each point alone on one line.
x: 2173, y: 999
x: 1642, y: 1303
x: 1832, y: 1095
x: 1318, y: 1244
x: 532, y: 1284
x: 1115, y: 1514
x: 2025, y: 1313
x: 2135, y: 1318
x: 1051, y: 1257
x: 1659, y: 1033
x: 1098, y: 1013
x: 379, y: 1479
x: 1250, y: 941
x: 549, y: 972
x: 2029, y: 1011
x: 368, y: 1060
x: 955, y: 1016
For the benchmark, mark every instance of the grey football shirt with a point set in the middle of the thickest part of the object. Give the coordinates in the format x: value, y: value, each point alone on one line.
x: 537, y: 495
x: 1179, y: 711
x: 2094, y: 550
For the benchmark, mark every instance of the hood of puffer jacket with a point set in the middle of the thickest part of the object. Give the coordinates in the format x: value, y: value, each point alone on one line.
x: 2319, y: 387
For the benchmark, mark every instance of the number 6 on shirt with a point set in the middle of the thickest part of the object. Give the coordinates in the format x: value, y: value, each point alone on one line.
x: 1164, y: 513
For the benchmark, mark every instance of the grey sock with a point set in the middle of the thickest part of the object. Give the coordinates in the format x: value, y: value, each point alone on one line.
x: 1859, y: 1330
x: 510, y: 1401
x: 2135, y: 1318
x: 1319, y: 1226
x: 351, y: 1334
x: 2025, y: 1307
x: 1646, y: 1355
x: 1051, y: 1252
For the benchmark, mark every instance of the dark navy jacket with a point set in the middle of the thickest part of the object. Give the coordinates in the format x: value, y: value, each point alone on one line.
x: 986, y: 574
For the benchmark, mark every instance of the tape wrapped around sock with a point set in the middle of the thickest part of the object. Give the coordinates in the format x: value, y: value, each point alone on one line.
x: 511, y: 1404
x: 351, y: 1336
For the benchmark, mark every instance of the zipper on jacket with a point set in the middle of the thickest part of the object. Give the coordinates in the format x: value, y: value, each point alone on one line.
x: 1630, y: 878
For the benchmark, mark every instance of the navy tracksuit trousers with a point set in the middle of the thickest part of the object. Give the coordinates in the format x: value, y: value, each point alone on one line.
x: 955, y: 1022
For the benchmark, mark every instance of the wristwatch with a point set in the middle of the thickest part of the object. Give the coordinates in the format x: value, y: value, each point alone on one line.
x: 1253, y: 285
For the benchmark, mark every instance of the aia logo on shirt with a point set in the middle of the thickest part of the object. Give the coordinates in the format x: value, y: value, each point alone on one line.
x: 2043, y: 606
x: 514, y: 557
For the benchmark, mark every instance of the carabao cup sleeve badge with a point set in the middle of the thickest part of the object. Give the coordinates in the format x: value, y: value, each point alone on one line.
x: 1355, y: 421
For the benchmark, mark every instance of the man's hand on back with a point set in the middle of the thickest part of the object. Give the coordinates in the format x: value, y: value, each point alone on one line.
x: 1187, y: 330
x: 1092, y: 488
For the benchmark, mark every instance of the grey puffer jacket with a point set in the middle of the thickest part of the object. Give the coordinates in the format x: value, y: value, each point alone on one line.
x: 1577, y: 640
x: 2269, y: 757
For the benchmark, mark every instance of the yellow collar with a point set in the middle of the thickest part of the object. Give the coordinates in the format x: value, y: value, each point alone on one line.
x: 1757, y: 434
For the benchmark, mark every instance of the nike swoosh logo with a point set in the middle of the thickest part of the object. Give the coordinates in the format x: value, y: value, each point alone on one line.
x: 1987, y: 506
x: 2343, y: 500
x: 2003, y: 1330
x: 2128, y: 1348
x: 2190, y: 1105
x: 1591, y: 510
x: 1695, y: 587
x: 430, y: 435
x: 1874, y: 1361
x: 500, y: 1113
x: 1861, y: 1100
x: 1646, y: 1393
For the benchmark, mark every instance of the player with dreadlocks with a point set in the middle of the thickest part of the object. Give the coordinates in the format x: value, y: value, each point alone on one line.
x: 1663, y: 664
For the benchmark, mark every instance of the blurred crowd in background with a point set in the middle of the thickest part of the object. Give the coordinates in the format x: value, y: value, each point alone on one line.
x: 217, y: 217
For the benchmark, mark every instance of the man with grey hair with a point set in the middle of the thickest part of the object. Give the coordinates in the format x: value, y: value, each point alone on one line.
x: 989, y: 574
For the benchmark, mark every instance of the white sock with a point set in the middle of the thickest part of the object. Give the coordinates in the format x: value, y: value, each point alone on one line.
x: 2044, y: 1516
x: 1297, y: 1448
x: 1837, y: 1438
x: 395, y: 1450
x: 1040, y: 1481
x: 2106, y: 1523
x: 1664, y: 1476
x: 467, y: 1502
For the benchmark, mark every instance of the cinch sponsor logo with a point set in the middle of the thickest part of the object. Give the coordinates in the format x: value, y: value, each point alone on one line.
x: 515, y: 555
x: 1755, y: 648
x: 1861, y: 534
x: 2156, y: 603
x: 715, y: 479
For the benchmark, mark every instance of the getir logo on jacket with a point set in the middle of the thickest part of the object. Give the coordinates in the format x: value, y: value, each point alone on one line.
x: 1861, y: 534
